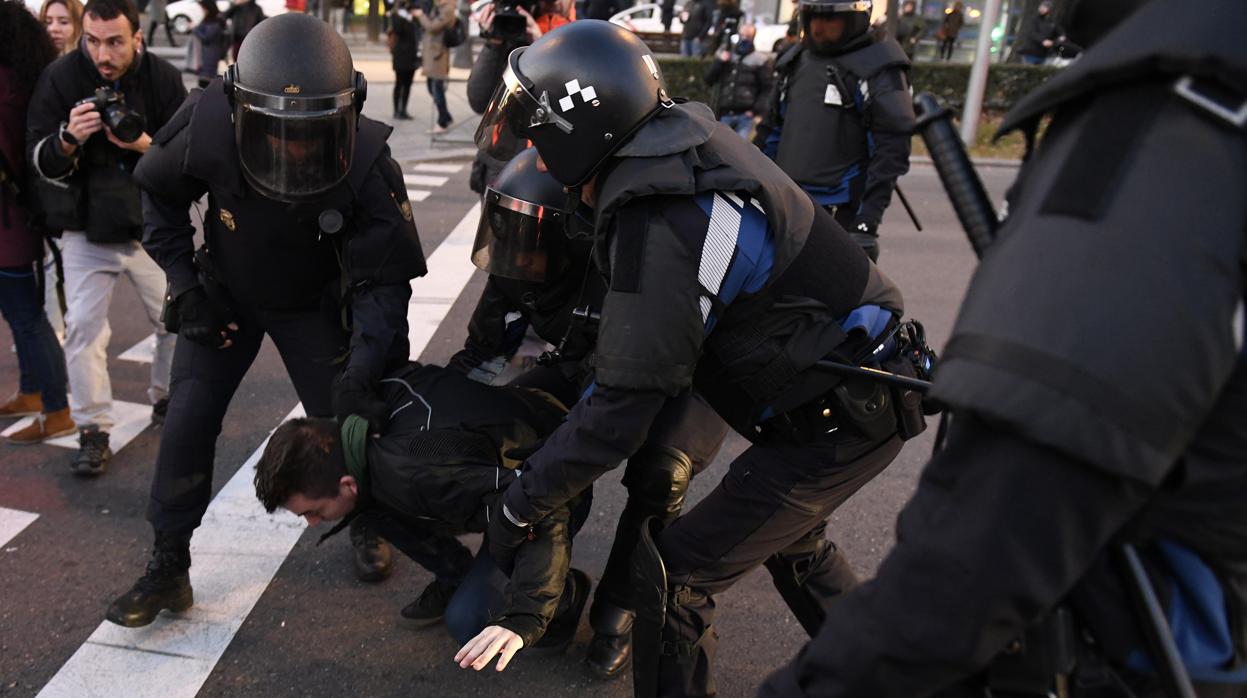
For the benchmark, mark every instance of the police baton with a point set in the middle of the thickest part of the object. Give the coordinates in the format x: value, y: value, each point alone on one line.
x: 913, y: 216
x: 892, y: 379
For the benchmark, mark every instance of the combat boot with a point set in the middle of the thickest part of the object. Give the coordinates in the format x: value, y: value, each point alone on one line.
x: 430, y: 607
x: 46, y: 426
x: 93, y: 452
x: 610, y: 650
x: 372, y: 555
x: 22, y: 405
x: 165, y: 585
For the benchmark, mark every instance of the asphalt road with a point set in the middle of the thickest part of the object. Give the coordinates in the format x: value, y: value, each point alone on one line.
x: 315, y: 630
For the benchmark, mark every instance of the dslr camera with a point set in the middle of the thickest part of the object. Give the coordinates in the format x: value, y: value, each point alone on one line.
x: 509, y: 25
x: 125, y: 123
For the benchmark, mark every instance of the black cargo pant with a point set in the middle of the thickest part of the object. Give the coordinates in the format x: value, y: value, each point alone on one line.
x: 686, y: 424
x: 203, y: 381
x: 775, y: 497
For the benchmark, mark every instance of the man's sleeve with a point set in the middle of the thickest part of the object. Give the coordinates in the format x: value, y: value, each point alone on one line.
x: 48, y: 108
x: 891, y: 121
x: 168, y: 194
x: 538, y: 579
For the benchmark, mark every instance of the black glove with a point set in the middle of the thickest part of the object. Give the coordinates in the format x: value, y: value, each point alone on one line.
x: 201, y: 320
x: 865, y: 233
x: 504, y: 537
x: 353, y: 395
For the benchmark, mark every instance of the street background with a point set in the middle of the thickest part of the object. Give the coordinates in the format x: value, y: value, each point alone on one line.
x: 311, y: 629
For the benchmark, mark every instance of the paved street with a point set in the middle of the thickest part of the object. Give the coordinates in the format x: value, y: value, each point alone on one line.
x: 277, y: 615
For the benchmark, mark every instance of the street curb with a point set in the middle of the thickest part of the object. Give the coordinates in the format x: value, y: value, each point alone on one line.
x: 977, y: 162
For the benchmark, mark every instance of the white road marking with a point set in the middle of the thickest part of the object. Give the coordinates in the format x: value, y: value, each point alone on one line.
x: 418, y: 194
x: 130, y: 418
x: 437, y: 167
x: 142, y: 353
x: 12, y: 522
x: 424, y: 180
x: 236, y: 551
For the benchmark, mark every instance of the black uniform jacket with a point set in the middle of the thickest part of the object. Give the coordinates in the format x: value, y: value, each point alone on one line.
x: 1098, y: 380
x: 667, y: 316
x: 442, y: 462
x: 152, y: 87
x: 275, y: 255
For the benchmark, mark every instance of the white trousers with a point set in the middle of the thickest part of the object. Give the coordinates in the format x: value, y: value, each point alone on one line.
x: 91, y: 272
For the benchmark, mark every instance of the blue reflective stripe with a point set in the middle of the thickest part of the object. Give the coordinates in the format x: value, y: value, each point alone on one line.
x: 839, y: 194
x: 1198, y: 617
x: 871, y: 319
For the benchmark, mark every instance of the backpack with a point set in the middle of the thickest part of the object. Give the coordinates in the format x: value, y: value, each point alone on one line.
x: 454, y: 34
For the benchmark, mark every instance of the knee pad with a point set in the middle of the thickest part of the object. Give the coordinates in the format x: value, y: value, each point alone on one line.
x: 657, y: 479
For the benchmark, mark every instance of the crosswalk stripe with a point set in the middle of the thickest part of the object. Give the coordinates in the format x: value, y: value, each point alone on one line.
x: 418, y: 194
x: 12, y: 522
x: 143, y: 352
x: 424, y: 180
x: 236, y: 551
x: 437, y: 167
x: 129, y: 420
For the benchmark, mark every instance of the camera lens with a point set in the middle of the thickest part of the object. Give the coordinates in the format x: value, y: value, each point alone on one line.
x: 126, y: 125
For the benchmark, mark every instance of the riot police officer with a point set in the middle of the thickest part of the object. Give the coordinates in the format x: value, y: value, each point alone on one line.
x: 309, y: 240
x: 722, y: 276
x: 1107, y: 409
x: 840, y: 117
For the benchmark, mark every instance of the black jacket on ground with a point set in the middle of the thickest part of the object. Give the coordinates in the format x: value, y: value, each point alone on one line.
x: 442, y: 462
x: 272, y: 255
x: 1109, y: 407
x: 152, y: 87
x: 744, y: 83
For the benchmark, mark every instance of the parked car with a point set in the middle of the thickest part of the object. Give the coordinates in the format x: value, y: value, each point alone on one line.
x: 647, y: 18
x: 185, y: 14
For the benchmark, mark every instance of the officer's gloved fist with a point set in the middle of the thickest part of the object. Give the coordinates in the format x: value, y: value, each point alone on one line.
x: 865, y: 233
x: 504, y: 535
x: 202, y: 321
x: 354, y: 395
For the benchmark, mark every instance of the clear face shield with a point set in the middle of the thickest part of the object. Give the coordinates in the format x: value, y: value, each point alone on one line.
x: 512, y: 112
x: 291, y: 148
x: 520, y: 240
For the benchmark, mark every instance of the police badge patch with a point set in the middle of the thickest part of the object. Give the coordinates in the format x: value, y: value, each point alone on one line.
x: 228, y: 219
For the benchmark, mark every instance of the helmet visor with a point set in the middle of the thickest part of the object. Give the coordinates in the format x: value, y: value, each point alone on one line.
x: 293, y: 151
x: 520, y: 240
x: 512, y: 112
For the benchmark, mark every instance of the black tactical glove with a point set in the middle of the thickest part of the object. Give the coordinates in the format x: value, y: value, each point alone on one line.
x: 353, y: 395
x: 504, y: 537
x: 865, y: 233
x: 201, y: 320
x: 471, y: 363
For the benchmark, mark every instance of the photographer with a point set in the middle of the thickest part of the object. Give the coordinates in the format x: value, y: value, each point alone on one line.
x: 744, y: 79
x: 505, y: 26
x: 90, y: 120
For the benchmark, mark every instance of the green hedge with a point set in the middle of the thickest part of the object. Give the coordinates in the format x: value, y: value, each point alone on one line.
x: 1006, y: 84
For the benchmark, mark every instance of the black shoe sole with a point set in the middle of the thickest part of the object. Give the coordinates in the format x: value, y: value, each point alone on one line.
x: 598, y: 673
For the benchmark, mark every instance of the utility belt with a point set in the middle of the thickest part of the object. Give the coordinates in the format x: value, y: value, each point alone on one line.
x: 864, y: 406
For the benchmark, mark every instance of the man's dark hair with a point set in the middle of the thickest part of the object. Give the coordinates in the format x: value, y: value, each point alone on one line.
x: 112, y: 9
x: 301, y: 458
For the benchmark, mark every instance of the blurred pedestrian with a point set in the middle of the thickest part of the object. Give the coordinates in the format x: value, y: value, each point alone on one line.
x: 157, y: 16
x: 242, y: 16
x: 435, y: 57
x: 954, y: 18
x: 909, y: 28
x: 404, y: 53
x: 63, y: 20
x: 696, y: 17
x: 211, y: 39
x: 1041, y: 37
x: 743, y: 77
x: 24, y: 52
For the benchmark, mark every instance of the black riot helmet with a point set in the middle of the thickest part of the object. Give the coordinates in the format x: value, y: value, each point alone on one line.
x: 522, y: 233
x: 856, y: 16
x: 578, y: 93
x: 296, y: 99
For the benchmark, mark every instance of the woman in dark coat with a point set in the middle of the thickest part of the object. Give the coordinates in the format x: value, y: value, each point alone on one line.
x: 212, y: 39
x: 949, y: 29
x: 405, y: 53
x: 25, y: 49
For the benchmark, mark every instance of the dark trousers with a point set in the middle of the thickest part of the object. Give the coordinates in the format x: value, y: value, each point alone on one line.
x: 773, y: 498
x: 40, y: 359
x: 946, y: 48
x: 402, y: 89
x: 202, y: 384
x: 437, y: 88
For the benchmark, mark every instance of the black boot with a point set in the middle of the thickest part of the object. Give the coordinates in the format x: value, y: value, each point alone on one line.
x: 566, y: 618
x: 93, y: 453
x: 610, y: 650
x: 402, y: 103
x: 430, y: 606
x: 165, y: 585
x: 372, y: 555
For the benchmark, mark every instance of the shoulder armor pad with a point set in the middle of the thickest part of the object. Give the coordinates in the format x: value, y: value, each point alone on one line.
x: 370, y: 144
x: 870, y: 60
